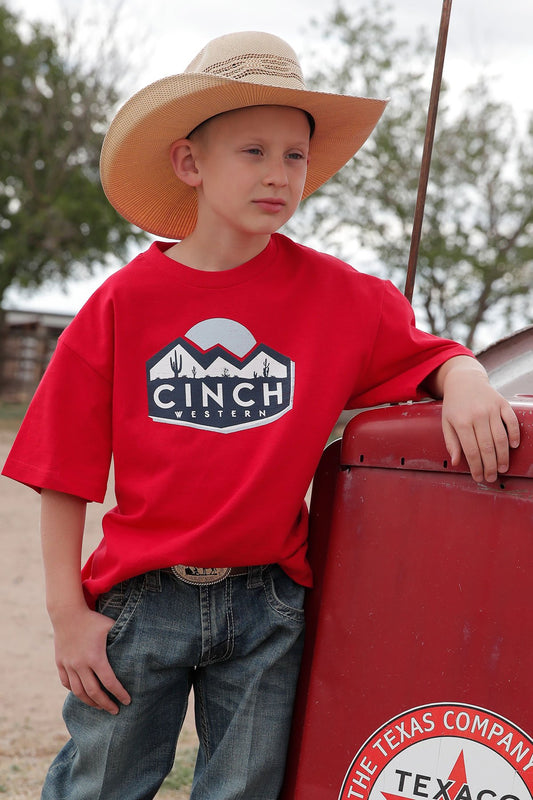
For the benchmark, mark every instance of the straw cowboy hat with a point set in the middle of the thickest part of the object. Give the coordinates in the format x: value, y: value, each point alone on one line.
x: 232, y: 71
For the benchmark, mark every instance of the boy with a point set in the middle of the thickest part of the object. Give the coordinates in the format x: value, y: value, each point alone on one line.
x: 213, y: 369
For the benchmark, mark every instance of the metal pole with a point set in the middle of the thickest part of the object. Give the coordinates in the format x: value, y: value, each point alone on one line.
x: 428, y: 146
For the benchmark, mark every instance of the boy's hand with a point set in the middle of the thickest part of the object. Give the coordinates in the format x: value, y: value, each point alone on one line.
x: 476, y: 419
x: 80, y: 644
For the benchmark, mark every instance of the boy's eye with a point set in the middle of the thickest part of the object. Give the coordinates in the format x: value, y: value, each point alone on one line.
x: 255, y: 151
x: 295, y: 156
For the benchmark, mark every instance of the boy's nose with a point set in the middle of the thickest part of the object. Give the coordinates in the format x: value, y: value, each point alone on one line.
x: 276, y: 173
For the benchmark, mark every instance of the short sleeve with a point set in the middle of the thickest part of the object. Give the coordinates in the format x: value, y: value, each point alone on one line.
x: 64, y: 442
x: 402, y: 355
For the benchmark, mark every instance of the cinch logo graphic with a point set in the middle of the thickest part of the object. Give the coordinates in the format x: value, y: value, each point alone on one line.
x: 218, y: 378
x: 443, y: 752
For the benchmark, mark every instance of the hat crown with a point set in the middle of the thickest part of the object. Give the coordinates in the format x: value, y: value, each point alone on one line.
x: 251, y: 57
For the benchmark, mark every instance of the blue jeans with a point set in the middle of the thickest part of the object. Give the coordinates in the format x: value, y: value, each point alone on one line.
x: 238, y: 643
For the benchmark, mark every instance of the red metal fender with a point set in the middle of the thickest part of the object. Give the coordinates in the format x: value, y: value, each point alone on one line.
x: 422, y: 606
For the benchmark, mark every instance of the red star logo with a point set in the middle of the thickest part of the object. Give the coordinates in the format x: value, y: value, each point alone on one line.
x: 450, y: 789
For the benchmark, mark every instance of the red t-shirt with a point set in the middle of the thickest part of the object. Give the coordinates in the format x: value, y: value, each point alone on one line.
x: 214, y: 392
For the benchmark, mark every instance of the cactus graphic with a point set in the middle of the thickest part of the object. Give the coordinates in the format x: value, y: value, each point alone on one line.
x: 266, y: 368
x: 176, y: 366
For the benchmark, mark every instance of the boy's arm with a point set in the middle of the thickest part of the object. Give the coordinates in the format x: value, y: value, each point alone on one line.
x: 475, y: 417
x: 80, y: 634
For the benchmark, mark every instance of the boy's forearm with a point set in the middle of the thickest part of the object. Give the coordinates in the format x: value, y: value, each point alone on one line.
x: 80, y: 634
x: 62, y: 528
x: 435, y: 382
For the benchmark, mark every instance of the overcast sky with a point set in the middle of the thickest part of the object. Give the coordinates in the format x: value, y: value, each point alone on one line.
x: 487, y: 34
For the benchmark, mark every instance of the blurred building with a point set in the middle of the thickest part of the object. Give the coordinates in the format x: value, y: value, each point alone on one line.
x: 30, y: 340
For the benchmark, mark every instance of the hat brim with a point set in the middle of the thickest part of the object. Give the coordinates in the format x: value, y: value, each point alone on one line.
x: 135, y: 167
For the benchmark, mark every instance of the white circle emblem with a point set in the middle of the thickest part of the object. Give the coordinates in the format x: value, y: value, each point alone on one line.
x: 443, y: 752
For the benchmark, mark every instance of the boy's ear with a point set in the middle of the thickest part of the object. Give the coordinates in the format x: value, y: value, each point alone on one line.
x: 183, y: 162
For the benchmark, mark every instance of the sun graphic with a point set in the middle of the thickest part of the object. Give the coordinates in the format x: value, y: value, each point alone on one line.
x: 231, y: 335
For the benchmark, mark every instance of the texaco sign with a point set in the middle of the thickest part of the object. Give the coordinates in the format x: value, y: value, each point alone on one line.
x: 443, y: 752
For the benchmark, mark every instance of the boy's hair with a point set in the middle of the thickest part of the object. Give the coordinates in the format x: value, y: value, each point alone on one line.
x: 235, y: 71
x: 310, y: 120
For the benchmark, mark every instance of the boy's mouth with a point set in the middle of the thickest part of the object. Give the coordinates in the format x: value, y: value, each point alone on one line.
x: 270, y: 204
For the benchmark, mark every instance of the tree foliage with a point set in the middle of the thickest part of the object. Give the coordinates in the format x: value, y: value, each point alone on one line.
x: 475, y: 264
x: 54, y: 217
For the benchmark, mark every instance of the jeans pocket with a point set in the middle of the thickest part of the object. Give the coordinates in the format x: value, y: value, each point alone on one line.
x: 285, y: 596
x: 120, y: 603
x: 112, y: 602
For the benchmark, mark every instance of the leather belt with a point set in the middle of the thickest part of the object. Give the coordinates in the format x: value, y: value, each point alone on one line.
x: 205, y: 576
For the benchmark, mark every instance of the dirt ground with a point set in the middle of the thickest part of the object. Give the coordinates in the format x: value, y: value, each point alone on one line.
x: 31, y: 727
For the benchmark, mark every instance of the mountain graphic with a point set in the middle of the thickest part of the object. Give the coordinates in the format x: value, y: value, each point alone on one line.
x: 182, y: 359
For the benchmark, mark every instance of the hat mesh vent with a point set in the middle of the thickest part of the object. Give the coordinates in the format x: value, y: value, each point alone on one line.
x: 242, y: 66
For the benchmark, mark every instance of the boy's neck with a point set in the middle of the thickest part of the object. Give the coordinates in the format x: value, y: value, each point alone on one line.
x: 214, y: 254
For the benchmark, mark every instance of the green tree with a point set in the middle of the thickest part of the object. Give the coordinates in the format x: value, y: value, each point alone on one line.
x: 475, y: 264
x: 55, y: 221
